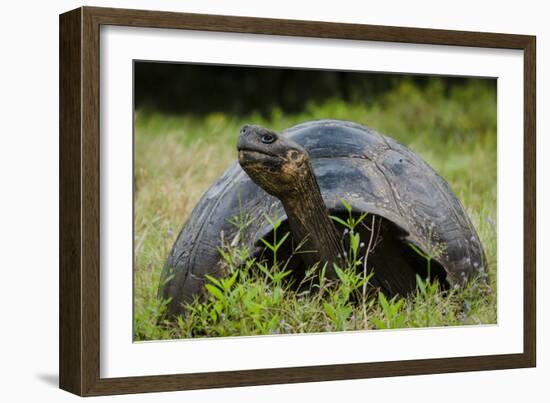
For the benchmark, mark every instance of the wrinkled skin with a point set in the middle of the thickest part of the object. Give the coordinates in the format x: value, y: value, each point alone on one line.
x: 282, y: 168
x: 274, y: 163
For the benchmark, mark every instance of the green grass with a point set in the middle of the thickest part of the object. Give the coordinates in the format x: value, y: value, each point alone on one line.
x: 177, y: 158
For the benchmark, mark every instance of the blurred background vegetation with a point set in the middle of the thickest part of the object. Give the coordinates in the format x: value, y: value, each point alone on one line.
x: 203, y: 89
x: 187, y: 119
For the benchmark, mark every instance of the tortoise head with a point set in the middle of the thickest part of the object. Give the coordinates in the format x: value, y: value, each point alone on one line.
x: 274, y: 162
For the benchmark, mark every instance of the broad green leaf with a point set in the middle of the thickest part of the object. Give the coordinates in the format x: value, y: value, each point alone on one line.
x: 418, y: 251
x: 264, y: 270
x: 274, y: 223
x: 339, y: 220
x: 421, y: 285
x: 330, y: 311
x: 383, y: 301
x: 355, y: 238
x: 230, y: 282
x: 213, y: 280
x: 379, y: 324
x: 345, y: 204
x: 362, y: 217
x: 270, y: 246
x: 340, y: 273
x: 279, y: 243
x: 214, y: 291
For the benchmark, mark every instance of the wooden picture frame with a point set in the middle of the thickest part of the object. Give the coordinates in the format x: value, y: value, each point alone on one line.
x: 80, y: 199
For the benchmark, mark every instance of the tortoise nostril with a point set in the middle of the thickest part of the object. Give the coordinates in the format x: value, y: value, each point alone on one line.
x: 245, y: 129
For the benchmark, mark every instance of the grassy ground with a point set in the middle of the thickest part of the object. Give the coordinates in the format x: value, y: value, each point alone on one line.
x: 177, y: 158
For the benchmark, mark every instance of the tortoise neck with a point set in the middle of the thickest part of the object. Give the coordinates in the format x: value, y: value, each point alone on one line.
x: 310, y: 224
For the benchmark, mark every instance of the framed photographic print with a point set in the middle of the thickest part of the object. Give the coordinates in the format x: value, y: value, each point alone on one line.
x: 250, y: 201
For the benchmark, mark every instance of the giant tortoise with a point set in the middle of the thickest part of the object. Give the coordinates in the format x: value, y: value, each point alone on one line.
x: 302, y: 175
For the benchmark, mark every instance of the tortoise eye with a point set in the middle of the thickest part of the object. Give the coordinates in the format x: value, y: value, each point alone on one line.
x: 268, y: 138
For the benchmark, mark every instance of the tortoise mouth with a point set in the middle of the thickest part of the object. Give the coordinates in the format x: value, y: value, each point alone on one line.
x: 249, y: 156
x: 254, y: 150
